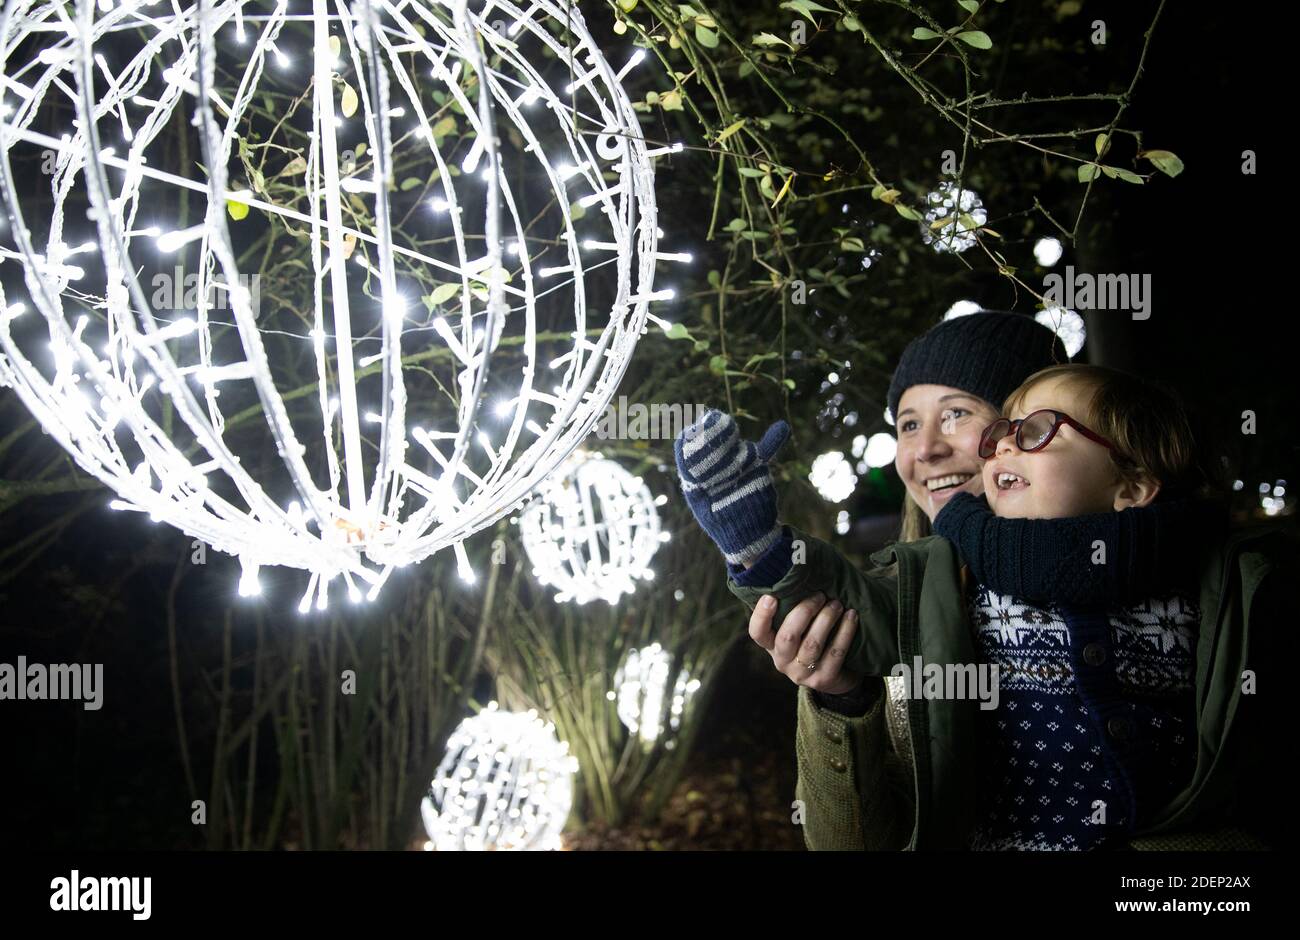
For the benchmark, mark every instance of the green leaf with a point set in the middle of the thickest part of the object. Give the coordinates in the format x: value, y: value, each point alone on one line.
x: 443, y: 127
x: 852, y: 244
x: 410, y: 183
x: 714, y: 279
x: 922, y: 33
x: 970, y: 6
x: 730, y: 129
x: 627, y: 6
x: 1087, y: 172
x: 718, y: 365
x: 977, y: 38
x: 701, y: 345
x: 349, y: 102
x: 806, y: 7
x: 671, y: 100
x: 1102, y: 144
x: 736, y: 225
x: 767, y: 39
x: 752, y: 172
x: 789, y: 383
x: 441, y: 294
x: 705, y: 36
x: 760, y: 357
x: 677, y: 331
x: 1166, y: 162
x: 577, y: 210
x: 907, y: 212
x: 237, y: 210
x: 1128, y: 176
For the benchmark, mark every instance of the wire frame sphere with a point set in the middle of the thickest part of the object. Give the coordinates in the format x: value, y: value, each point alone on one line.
x: 592, y: 530
x: 645, y: 705
x: 505, y: 783
x: 951, y: 218
x: 468, y: 205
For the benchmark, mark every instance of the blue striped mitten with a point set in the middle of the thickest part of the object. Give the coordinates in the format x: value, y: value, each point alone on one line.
x: 728, y: 486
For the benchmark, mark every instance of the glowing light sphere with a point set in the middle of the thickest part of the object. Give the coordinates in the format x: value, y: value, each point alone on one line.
x: 833, y: 476
x: 1048, y: 251
x: 963, y: 213
x: 880, y: 450
x: 1067, y: 325
x: 962, y: 308
x: 505, y: 784
x: 475, y: 280
x: 592, y: 530
x: 644, y: 705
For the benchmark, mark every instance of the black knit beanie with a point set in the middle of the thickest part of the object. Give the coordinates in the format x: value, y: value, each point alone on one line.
x: 987, y: 353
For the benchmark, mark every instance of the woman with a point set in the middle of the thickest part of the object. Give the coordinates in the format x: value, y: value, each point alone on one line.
x: 853, y: 743
x: 941, y: 397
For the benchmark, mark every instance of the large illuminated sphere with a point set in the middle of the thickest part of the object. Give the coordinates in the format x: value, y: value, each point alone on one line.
x: 469, y: 203
x: 592, y: 530
x: 832, y: 476
x: 641, y: 691
x: 505, y: 783
x: 951, y: 218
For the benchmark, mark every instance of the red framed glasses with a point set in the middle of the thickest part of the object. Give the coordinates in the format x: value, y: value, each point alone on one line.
x: 1033, y: 432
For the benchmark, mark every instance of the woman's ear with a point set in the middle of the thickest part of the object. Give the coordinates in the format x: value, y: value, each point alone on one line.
x: 1136, y: 492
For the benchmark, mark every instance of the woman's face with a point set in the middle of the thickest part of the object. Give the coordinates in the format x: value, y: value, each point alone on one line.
x: 939, y: 431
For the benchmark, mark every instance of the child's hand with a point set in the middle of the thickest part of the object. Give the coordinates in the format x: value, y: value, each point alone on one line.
x: 728, y: 486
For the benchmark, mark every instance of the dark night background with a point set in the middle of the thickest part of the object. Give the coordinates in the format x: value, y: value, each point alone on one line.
x: 1216, y: 242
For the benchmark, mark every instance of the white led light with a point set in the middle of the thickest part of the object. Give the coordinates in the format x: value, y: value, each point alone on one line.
x: 371, y: 496
x: 504, y: 784
x: 592, y: 530
x: 832, y: 476
x: 644, y: 703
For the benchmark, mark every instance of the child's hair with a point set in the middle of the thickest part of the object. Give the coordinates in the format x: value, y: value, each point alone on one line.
x: 1148, y: 424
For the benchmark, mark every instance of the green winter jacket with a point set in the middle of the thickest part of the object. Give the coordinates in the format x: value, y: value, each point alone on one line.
x: 854, y: 789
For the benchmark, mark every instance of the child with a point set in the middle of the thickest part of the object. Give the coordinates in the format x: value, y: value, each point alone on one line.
x: 1096, y: 730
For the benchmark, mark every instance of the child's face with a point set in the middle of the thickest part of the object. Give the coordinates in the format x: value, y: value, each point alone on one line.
x: 1071, y: 476
x: 938, y: 443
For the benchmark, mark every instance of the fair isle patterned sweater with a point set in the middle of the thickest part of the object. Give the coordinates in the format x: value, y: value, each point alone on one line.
x: 1095, y: 724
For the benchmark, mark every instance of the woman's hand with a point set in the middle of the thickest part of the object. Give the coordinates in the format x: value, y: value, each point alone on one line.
x: 814, y: 632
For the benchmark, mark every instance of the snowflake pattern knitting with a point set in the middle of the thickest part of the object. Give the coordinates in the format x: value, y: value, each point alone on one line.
x: 1095, y: 724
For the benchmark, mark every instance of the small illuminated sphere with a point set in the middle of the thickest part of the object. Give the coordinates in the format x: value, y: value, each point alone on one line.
x: 505, y: 784
x: 642, y: 686
x: 842, y: 522
x: 964, y: 209
x: 171, y: 395
x: 1067, y: 325
x: 832, y: 476
x: 962, y: 308
x: 880, y: 450
x: 592, y: 530
x: 1047, y: 251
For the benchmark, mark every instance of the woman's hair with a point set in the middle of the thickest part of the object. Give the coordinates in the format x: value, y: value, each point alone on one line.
x: 916, y: 524
x: 1146, y: 422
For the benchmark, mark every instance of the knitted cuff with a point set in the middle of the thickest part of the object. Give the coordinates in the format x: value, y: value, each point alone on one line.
x: 770, y: 567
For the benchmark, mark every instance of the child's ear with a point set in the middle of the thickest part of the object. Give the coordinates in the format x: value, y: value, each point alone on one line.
x: 1136, y: 492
